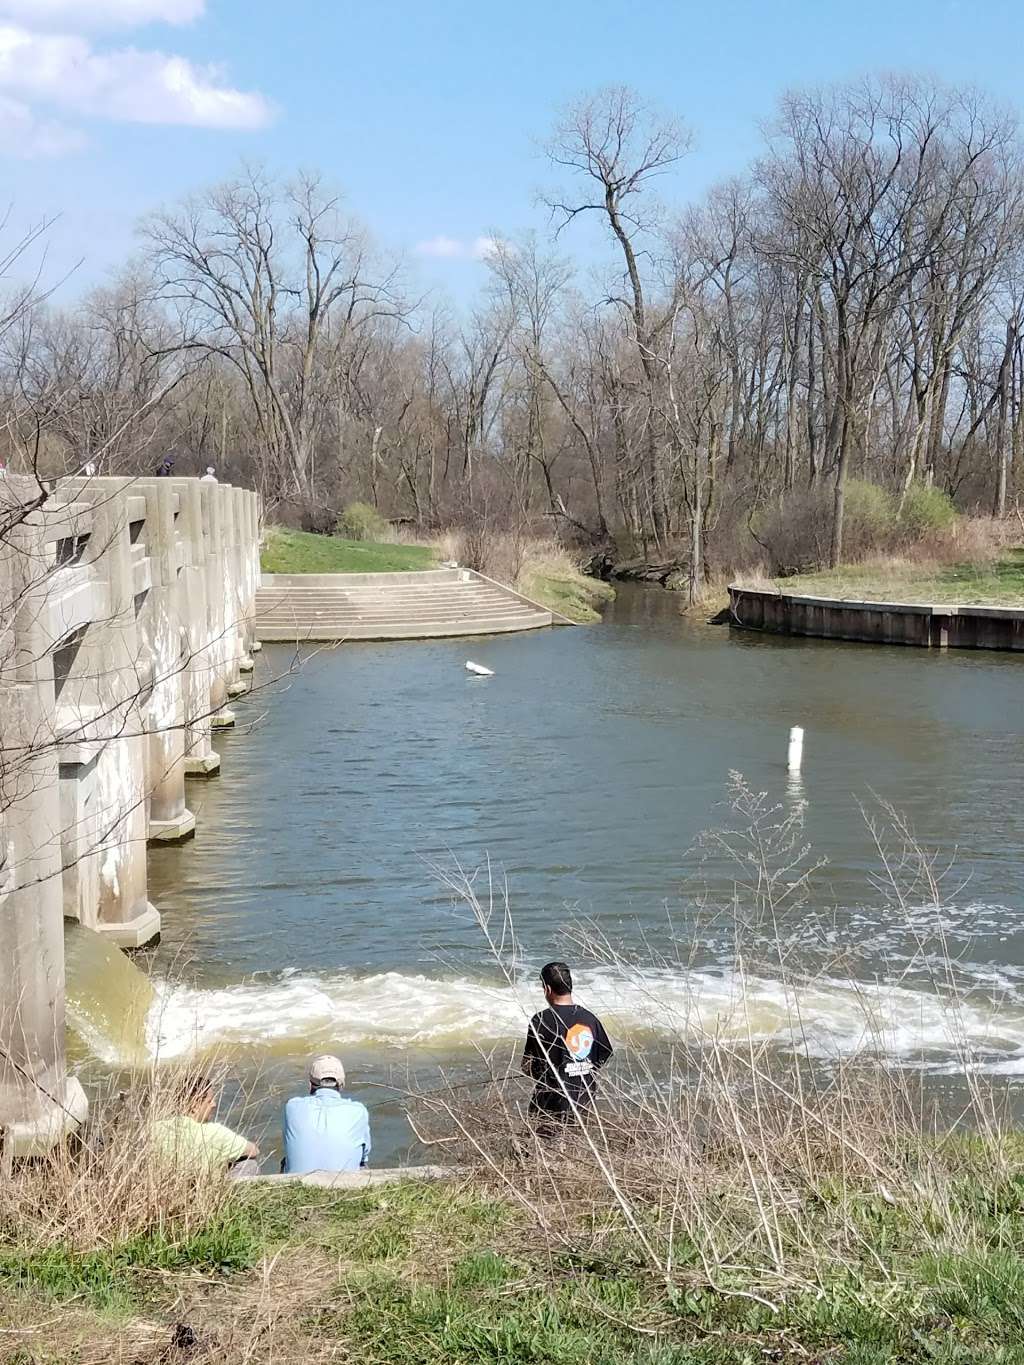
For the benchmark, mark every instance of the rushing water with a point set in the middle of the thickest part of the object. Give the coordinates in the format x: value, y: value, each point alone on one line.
x: 308, y: 912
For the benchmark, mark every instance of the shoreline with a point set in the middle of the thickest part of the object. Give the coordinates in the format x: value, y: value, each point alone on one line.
x: 921, y: 625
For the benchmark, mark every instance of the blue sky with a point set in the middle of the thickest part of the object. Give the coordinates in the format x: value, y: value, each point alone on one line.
x: 426, y: 114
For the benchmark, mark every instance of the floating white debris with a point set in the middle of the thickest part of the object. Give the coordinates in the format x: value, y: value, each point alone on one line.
x: 479, y: 669
x: 796, y: 749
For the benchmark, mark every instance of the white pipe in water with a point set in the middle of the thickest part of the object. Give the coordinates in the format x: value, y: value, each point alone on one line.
x: 796, y: 748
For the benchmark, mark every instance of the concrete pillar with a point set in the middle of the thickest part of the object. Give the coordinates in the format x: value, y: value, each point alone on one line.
x: 109, y: 680
x: 255, y: 528
x: 79, y: 829
x: 244, y: 587
x: 161, y: 622
x: 201, y: 759
x: 39, y: 1102
x: 235, y: 595
x: 221, y: 644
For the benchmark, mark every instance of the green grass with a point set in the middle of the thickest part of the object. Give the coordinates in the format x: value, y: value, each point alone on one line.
x: 1000, y: 583
x: 301, y: 552
x: 568, y: 591
x: 412, y: 1274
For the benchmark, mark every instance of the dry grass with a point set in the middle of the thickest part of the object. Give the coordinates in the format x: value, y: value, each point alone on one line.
x: 538, y: 567
x: 973, y: 562
x: 106, y: 1186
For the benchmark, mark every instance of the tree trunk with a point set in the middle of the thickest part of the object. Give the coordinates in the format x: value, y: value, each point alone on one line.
x: 838, y: 504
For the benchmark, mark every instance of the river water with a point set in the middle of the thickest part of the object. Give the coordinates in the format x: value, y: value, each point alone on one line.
x: 308, y: 913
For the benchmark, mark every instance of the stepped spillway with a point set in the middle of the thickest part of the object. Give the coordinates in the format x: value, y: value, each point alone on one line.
x: 392, y: 606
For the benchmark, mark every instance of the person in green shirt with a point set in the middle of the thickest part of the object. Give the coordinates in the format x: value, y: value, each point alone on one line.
x: 191, y: 1140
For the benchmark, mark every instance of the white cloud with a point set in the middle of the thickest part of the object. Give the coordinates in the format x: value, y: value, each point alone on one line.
x: 124, y: 84
x: 25, y: 136
x: 485, y: 247
x: 441, y: 248
x: 83, y: 14
x: 454, y: 249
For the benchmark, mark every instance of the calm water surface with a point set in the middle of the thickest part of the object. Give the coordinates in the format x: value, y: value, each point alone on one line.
x: 308, y: 911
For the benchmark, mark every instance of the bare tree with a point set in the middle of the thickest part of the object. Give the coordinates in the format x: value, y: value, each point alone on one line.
x: 617, y: 143
x: 266, y: 275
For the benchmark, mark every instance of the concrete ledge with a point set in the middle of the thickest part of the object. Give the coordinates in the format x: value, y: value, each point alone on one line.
x: 359, y: 1180
x: 927, y: 625
x: 361, y: 580
x: 139, y: 932
x: 36, y: 1137
x: 256, y: 646
x: 223, y: 719
x: 245, y: 664
x: 447, y: 631
x: 236, y: 689
x: 172, y: 831
x: 207, y: 766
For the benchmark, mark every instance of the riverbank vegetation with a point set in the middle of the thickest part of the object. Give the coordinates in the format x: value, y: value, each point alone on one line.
x: 846, y: 313
x: 934, y: 555
x: 854, y: 1255
x: 540, y: 567
x: 999, y: 583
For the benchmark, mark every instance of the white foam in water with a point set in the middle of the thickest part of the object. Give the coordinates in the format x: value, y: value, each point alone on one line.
x: 396, y: 1011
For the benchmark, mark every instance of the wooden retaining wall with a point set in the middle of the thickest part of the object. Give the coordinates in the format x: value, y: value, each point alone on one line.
x: 926, y: 625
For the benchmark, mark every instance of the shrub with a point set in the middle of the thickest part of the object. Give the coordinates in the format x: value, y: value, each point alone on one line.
x: 319, y: 521
x: 926, y: 511
x: 869, y: 520
x: 360, y: 521
x: 795, y: 536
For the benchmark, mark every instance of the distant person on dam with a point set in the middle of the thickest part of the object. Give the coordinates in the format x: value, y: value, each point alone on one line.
x: 566, y: 1045
x: 191, y: 1140
x: 325, y: 1130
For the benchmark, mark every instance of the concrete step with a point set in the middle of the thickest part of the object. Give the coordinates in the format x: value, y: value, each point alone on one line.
x: 418, y: 630
x: 390, y: 613
x: 482, y: 594
x: 393, y: 608
x: 369, y: 602
x: 387, y: 618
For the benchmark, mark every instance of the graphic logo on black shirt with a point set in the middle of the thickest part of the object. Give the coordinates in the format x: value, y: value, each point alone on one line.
x: 579, y: 1040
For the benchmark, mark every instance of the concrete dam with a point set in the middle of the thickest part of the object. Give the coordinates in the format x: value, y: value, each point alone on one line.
x: 126, y: 609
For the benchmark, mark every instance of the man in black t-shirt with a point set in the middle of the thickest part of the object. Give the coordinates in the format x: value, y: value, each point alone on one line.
x: 565, y: 1046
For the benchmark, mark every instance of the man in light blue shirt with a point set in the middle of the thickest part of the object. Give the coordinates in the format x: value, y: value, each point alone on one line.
x: 325, y: 1130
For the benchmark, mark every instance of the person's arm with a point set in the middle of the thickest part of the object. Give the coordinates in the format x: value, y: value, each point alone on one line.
x: 531, y: 1050
x: 226, y: 1147
x: 602, y: 1050
x: 286, y: 1135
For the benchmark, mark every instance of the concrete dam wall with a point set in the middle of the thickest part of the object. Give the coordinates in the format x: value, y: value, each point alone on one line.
x: 126, y: 611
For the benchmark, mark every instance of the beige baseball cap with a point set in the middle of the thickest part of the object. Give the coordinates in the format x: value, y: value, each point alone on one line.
x: 326, y: 1068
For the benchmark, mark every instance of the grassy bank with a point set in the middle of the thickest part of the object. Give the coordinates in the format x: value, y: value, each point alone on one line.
x: 996, y: 583
x: 412, y: 1274
x: 560, y: 586
x: 287, y: 551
